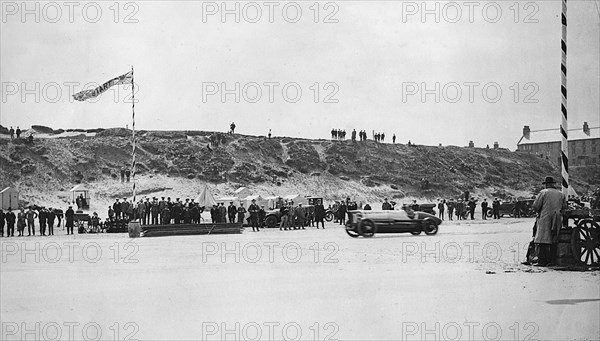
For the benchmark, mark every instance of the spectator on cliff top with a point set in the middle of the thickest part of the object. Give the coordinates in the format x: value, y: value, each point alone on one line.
x: 12, y: 133
x: 232, y: 128
x: 18, y: 132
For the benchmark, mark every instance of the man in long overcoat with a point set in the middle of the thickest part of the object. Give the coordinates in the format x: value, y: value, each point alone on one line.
x: 550, y: 205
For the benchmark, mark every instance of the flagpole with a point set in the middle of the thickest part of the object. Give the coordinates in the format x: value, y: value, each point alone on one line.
x: 133, y: 132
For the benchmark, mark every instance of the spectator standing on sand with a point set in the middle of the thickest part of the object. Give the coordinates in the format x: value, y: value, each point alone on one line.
x: 231, y: 211
x: 496, y: 208
x: 484, y: 208
x: 123, y: 174
x: 21, y: 221
x: 186, y: 216
x: 241, y: 211
x: 177, y: 211
x: 31, y: 215
x: 161, y: 206
x: 223, y: 213
x: 124, y: 208
x: 299, y: 215
x: 42, y: 219
x: 2, y: 222
x: 154, y: 211
x: 51, y: 216
x: 320, y: 213
x: 165, y: 215
x: 284, y: 211
x: 195, y: 213
x: 213, y: 214
x: 472, y: 206
x: 550, y: 205
x: 141, y: 212
x: 440, y: 207
x: 127, y: 174
x: 10, y: 223
x: 12, y: 133
x: 450, y: 204
x: 253, y: 210
x: 69, y: 217
x: 147, y: 204
x: 117, y: 208
x: 342, y: 213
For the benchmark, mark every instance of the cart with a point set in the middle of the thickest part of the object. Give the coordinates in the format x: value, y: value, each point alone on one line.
x: 585, y: 235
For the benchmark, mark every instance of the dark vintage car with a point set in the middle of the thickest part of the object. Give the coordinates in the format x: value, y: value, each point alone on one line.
x: 367, y: 223
x: 510, y: 208
x: 273, y: 217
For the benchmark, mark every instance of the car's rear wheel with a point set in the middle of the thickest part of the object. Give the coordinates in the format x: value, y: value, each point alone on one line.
x: 415, y: 233
x: 430, y: 227
x: 329, y: 216
x: 367, y: 228
x: 271, y: 221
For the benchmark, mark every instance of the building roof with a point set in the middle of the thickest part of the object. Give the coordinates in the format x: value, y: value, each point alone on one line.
x: 554, y: 136
x: 8, y: 190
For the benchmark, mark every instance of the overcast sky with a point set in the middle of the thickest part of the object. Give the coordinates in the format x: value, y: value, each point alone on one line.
x: 369, y: 61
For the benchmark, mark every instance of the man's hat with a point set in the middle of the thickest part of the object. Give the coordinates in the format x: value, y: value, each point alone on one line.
x: 549, y: 180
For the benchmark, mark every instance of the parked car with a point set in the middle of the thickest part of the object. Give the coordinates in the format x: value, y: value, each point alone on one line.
x: 367, y: 223
x: 273, y: 217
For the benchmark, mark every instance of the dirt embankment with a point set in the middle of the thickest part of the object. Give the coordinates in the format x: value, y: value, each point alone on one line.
x: 178, y: 160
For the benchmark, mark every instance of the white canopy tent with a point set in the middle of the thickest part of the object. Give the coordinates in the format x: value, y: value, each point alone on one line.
x: 260, y: 201
x: 296, y: 198
x: 205, y: 198
x: 272, y: 201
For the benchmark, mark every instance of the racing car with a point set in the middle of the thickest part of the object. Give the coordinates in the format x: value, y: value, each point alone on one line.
x: 367, y: 223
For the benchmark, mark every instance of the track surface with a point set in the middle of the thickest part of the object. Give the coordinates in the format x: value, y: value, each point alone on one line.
x: 465, y: 283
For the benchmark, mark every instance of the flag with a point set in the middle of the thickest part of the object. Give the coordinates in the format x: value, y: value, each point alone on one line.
x: 87, y: 94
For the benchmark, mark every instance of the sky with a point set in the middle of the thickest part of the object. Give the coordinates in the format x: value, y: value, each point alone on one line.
x: 430, y: 72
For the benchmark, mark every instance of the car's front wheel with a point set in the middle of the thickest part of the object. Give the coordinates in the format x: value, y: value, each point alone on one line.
x: 367, y: 228
x: 416, y: 232
x: 430, y: 228
x: 352, y: 233
x: 271, y: 221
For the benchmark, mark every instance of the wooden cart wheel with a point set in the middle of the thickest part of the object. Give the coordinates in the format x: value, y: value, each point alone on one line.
x: 585, y: 242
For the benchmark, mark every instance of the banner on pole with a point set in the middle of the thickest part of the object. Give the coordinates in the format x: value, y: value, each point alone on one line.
x: 87, y: 94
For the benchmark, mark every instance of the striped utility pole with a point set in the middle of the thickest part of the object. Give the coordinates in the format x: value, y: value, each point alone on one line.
x: 133, y: 134
x: 564, y: 127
